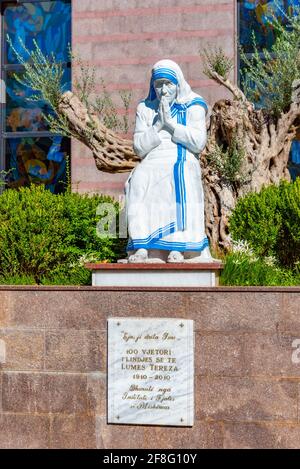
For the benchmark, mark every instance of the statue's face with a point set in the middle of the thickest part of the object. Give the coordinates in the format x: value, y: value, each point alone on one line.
x: 166, y: 88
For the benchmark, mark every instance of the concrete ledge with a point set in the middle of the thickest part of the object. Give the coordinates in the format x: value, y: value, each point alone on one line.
x: 155, y: 275
x: 87, y: 288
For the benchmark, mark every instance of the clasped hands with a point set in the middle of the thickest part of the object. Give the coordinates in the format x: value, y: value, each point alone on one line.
x: 164, y: 116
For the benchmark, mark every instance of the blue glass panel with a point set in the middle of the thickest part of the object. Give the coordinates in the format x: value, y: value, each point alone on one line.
x: 49, y: 23
x: 294, y: 163
x: 295, y: 152
x: 254, y: 16
x: 23, y: 115
x: 37, y: 160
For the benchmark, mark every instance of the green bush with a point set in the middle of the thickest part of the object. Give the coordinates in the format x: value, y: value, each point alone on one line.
x: 45, y: 236
x: 17, y: 280
x: 241, y: 269
x: 68, y: 276
x: 270, y: 222
x: 288, y: 246
x: 257, y: 220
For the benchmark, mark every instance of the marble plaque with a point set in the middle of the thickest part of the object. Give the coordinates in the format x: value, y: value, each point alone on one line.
x: 151, y: 371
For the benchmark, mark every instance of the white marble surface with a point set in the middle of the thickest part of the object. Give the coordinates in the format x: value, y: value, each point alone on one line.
x: 151, y: 371
x: 155, y: 278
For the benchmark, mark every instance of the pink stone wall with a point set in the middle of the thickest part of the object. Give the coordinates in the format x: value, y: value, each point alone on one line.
x: 53, y: 382
x: 124, y: 39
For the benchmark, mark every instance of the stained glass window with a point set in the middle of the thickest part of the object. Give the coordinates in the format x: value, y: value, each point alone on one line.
x: 29, y: 150
x: 49, y: 23
x: 37, y: 160
x: 253, y: 17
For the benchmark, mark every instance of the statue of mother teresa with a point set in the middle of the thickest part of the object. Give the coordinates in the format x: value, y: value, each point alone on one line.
x: 164, y: 193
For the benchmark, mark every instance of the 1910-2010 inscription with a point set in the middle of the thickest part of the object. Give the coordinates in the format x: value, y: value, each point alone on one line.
x: 151, y: 371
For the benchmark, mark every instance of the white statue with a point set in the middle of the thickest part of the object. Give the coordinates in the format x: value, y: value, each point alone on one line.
x: 164, y: 193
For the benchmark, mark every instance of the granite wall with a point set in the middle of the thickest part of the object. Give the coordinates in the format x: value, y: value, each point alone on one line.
x: 53, y: 381
x: 122, y: 40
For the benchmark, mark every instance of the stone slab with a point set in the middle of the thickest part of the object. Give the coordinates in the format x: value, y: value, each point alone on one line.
x: 45, y: 393
x: 74, y: 350
x: 150, y: 371
x: 155, y: 275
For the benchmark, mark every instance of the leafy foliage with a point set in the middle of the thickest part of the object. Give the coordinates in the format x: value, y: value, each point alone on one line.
x: 270, y: 222
x: 46, y: 237
x: 267, y: 77
x: 105, y: 107
x: 45, y: 75
x: 228, y: 162
x: 215, y: 60
x: 288, y: 245
x: 242, y: 269
x: 17, y: 280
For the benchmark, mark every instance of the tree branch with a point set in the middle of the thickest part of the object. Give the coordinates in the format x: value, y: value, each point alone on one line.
x: 235, y: 90
x: 112, y: 153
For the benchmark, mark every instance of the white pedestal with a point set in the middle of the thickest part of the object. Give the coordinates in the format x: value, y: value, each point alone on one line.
x: 155, y: 275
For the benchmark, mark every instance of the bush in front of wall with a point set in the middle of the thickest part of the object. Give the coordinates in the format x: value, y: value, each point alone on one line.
x: 288, y: 245
x: 270, y: 222
x: 45, y: 236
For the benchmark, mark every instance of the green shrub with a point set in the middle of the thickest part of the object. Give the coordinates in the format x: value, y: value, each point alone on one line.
x: 68, y: 276
x: 17, y: 280
x: 228, y: 163
x: 241, y: 269
x: 288, y: 246
x: 44, y: 236
x: 257, y: 219
x: 270, y: 222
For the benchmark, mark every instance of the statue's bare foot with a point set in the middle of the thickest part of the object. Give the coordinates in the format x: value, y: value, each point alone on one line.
x: 175, y: 256
x: 141, y: 255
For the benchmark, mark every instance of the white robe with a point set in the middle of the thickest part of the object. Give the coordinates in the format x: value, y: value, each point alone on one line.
x: 151, y: 189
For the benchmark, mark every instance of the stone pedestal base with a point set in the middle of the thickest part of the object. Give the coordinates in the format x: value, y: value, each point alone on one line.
x: 155, y: 275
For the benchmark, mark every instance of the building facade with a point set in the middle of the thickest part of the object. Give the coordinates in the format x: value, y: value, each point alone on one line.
x: 121, y: 40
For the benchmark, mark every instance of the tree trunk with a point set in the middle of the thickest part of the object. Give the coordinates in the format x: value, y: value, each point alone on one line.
x: 266, y: 144
x: 112, y: 153
x: 267, y: 147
